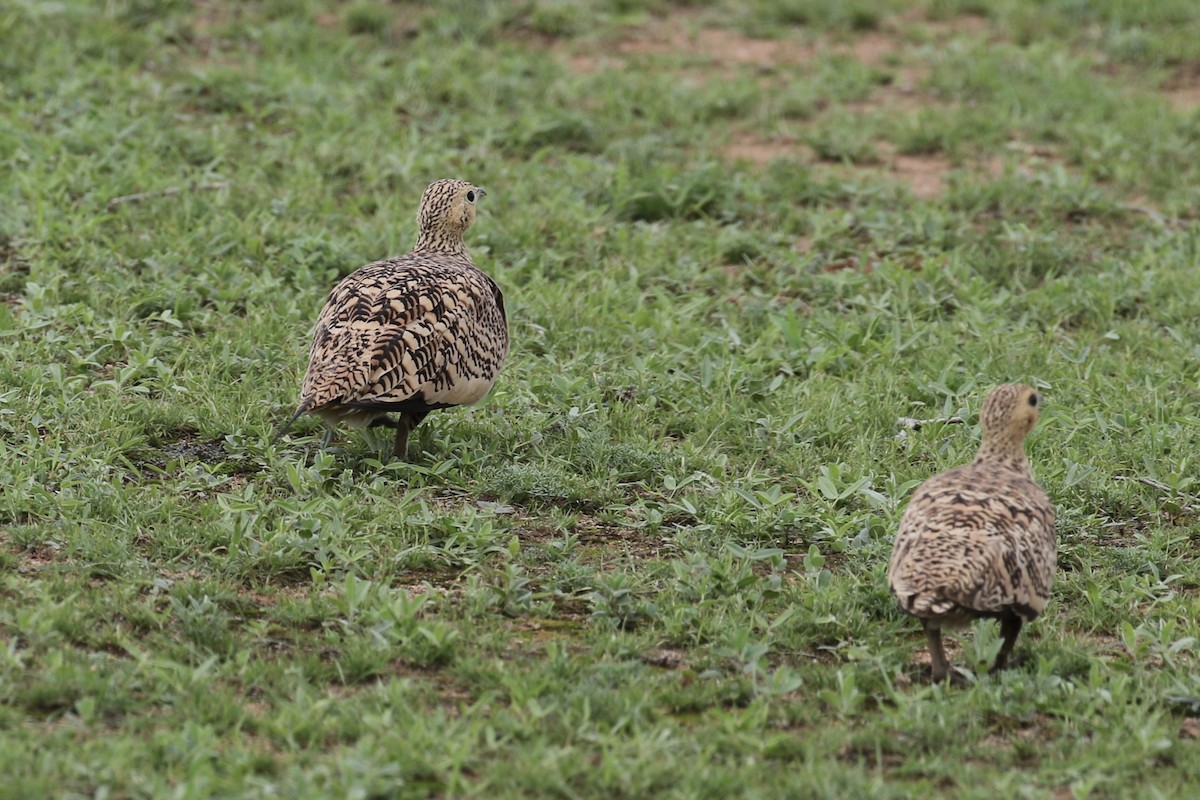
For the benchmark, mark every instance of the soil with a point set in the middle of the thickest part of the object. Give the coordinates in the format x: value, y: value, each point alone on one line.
x: 722, y: 53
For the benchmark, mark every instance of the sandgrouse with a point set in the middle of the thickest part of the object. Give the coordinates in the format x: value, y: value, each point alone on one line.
x: 411, y: 334
x: 978, y: 540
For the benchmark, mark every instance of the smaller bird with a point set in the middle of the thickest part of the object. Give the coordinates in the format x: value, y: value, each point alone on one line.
x: 412, y: 334
x: 978, y: 540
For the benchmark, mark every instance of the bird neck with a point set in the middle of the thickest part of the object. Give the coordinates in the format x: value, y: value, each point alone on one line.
x: 440, y: 241
x: 1005, y: 450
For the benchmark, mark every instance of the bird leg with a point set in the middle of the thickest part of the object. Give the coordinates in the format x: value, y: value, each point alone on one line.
x: 937, y: 655
x: 1009, y: 628
x: 400, y: 446
x: 404, y: 424
x: 382, y: 422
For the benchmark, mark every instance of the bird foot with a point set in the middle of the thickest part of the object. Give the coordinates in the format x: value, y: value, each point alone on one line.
x: 957, y: 677
x: 1014, y: 661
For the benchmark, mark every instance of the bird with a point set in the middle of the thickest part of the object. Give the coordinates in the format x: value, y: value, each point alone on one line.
x: 978, y: 541
x: 412, y: 334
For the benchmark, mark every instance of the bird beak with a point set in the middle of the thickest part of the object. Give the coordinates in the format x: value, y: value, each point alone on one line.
x: 481, y: 192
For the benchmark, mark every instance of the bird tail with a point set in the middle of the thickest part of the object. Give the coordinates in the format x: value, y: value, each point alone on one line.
x: 305, y: 405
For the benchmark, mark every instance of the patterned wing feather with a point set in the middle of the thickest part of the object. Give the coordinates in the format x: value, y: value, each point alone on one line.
x: 974, y: 542
x: 407, y: 334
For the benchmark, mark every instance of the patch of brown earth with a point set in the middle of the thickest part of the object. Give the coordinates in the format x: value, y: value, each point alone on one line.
x: 634, y: 543
x: 588, y: 63
x: 665, y: 657
x: 13, y: 268
x: 942, y: 29
x: 719, y: 53
x: 1105, y: 643
x: 1182, y: 89
x: 605, y: 540
x: 209, y: 14
x: 206, y: 33
x: 556, y: 629
x: 38, y: 557
x: 925, y: 175
x: 860, y: 755
x: 840, y: 265
x: 902, y: 93
x: 872, y: 49
x: 761, y: 153
x: 693, y: 33
x: 1187, y: 99
x: 723, y: 51
x: 720, y: 45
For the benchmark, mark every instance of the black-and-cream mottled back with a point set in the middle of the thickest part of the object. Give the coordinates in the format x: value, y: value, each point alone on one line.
x: 411, y: 334
x: 978, y: 540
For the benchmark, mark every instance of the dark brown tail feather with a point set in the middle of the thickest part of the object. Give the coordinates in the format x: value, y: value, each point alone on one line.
x: 305, y: 406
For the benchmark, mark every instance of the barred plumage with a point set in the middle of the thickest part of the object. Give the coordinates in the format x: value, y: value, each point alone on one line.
x: 411, y: 334
x: 978, y: 540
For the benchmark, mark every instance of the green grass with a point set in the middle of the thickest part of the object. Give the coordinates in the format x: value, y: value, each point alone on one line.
x: 652, y: 562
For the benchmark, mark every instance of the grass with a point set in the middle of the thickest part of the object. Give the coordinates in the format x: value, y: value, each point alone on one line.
x: 652, y: 562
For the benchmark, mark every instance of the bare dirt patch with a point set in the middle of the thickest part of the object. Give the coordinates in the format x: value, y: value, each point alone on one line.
x: 665, y: 658
x: 928, y: 176
x: 445, y: 582
x: 631, y: 542
x: 1185, y: 99
x: 1182, y: 90
x: 534, y: 631
x: 695, y: 34
x: 901, y: 93
x: 719, y: 45
x: 1105, y: 643
x: 721, y: 52
x: 606, y: 540
x: 924, y: 175
x: 39, y: 558
x: 746, y: 147
x: 189, y: 448
x: 210, y: 452
x: 969, y: 25
x: 13, y: 273
x: 208, y: 15
x: 204, y: 36
x: 873, y: 49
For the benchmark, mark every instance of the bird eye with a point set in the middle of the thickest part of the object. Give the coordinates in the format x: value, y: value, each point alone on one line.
x: 1033, y: 399
x: 471, y: 197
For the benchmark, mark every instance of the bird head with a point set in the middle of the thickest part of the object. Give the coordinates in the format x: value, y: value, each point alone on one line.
x: 447, y: 210
x: 1010, y: 412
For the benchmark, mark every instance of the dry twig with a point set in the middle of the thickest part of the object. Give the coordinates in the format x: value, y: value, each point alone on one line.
x: 1187, y: 502
x: 168, y: 192
x: 914, y: 424
x: 1155, y: 214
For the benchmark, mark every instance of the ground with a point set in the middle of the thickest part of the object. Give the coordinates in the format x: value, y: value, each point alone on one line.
x: 740, y: 243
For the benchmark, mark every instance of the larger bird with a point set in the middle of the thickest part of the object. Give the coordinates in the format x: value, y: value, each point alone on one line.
x: 411, y: 334
x: 978, y: 540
